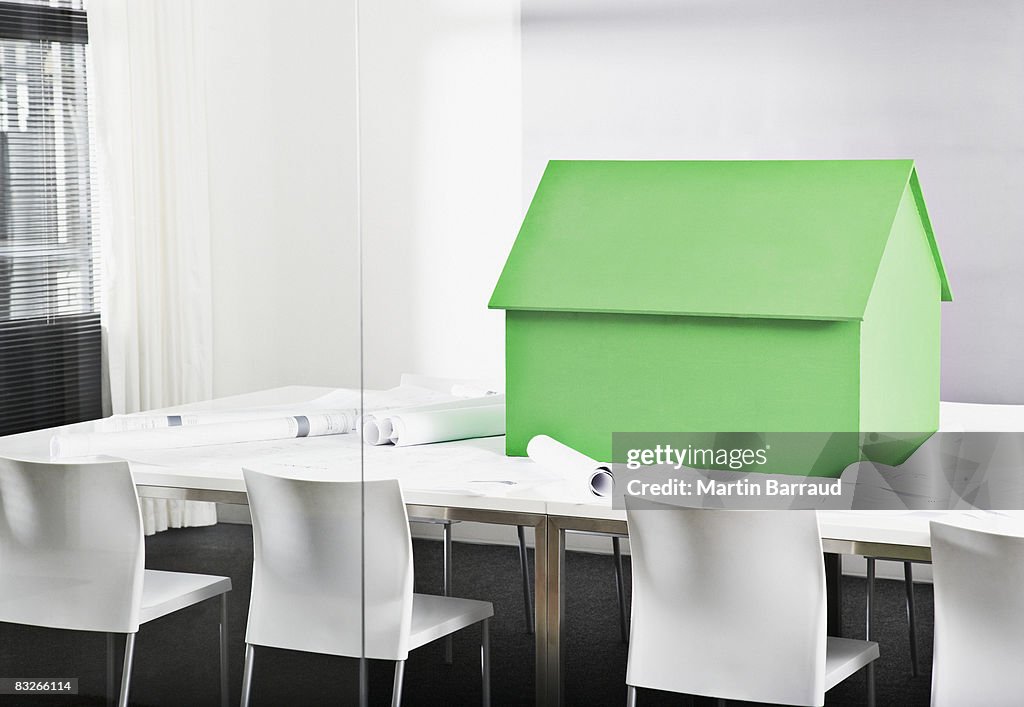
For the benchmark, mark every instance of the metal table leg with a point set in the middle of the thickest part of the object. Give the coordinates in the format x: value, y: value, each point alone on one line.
x: 524, y: 568
x: 541, y: 532
x: 555, y: 601
x: 448, y: 585
x: 870, y: 600
x: 908, y: 581
x: 834, y: 591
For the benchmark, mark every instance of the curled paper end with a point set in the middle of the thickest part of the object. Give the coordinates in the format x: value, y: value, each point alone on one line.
x: 572, y: 465
x: 395, y: 430
x: 601, y: 482
x: 353, y: 420
x: 535, y: 447
x: 376, y: 432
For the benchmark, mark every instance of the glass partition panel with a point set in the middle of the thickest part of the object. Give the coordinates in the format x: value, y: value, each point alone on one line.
x: 441, y: 203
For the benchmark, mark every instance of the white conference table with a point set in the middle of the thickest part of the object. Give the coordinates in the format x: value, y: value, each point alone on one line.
x: 465, y: 481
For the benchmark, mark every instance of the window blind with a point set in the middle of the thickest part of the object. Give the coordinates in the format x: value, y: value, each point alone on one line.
x: 50, y: 340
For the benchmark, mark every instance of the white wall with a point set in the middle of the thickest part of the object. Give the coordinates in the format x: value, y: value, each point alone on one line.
x: 941, y: 82
x: 281, y: 147
x: 442, y: 158
x: 441, y: 177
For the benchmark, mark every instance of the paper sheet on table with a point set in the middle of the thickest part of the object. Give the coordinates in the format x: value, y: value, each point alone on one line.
x: 437, y: 422
x: 405, y: 396
x: 94, y: 443
x: 566, y: 461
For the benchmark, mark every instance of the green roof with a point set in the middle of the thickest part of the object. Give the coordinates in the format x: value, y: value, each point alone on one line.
x: 785, y: 239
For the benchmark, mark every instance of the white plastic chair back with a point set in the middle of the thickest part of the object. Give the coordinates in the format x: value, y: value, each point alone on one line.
x: 71, y: 546
x: 309, y: 566
x: 729, y: 604
x: 979, y: 617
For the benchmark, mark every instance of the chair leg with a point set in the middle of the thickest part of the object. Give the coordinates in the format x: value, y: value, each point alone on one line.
x: 250, y: 656
x: 110, y: 670
x: 870, y: 598
x: 620, y: 588
x: 396, y: 689
x: 224, y: 695
x: 126, y: 674
x: 485, y: 661
x: 908, y: 580
x: 630, y: 696
x: 448, y: 585
x: 524, y: 564
x: 871, y: 683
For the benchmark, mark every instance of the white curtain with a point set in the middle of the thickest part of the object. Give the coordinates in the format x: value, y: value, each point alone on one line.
x: 150, y: 125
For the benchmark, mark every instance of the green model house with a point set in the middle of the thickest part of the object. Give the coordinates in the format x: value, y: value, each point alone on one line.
x: 760, y: 296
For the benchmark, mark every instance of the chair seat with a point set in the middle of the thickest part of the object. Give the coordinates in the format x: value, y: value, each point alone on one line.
x: 166, y: 592
x: 435, y: 617
x: 844, y: 657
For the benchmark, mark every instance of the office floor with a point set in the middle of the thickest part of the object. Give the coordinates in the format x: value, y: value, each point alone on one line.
x: 176, y: 657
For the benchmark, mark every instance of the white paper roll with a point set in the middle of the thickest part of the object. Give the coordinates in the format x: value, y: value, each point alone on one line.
x: 93, y: 443
x: 376, y: 431
x: 446, y: 425
x: 567, y: 462
x: 378, y: 426
x: 149, y: 421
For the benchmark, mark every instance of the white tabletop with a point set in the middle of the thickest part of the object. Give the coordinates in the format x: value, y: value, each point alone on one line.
x: 465, y: 474
x: 476, y: 474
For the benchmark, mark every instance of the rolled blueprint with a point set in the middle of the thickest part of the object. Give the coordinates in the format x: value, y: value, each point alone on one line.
x: 446, y: 425
x: 92, y: 443
x: 378, y: 426
x: 151, y: 421
x: 567, y: 462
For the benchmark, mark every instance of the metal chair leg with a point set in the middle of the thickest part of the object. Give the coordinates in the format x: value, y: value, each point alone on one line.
x: 871, y: 684
x: 126, y: 674
x: 524, y: 565
x: 448, y: 585
x: 630, y: 696
x: 110, y: 670
x: 396, y: 689
x: 908, y: 580
x: 250, y: 655
x: 485, y: 661
x: 620, y: 588
x: 870, y: 598
x: 224, y: 694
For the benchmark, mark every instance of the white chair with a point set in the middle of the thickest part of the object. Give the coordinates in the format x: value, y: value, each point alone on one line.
x: 731, y: 604
x: 72, y: 556
x: 979, y: 617
x: 318, y: 558
x: 449, y: 568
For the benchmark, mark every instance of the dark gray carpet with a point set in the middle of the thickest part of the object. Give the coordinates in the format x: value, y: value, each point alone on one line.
x: 176, y: 656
